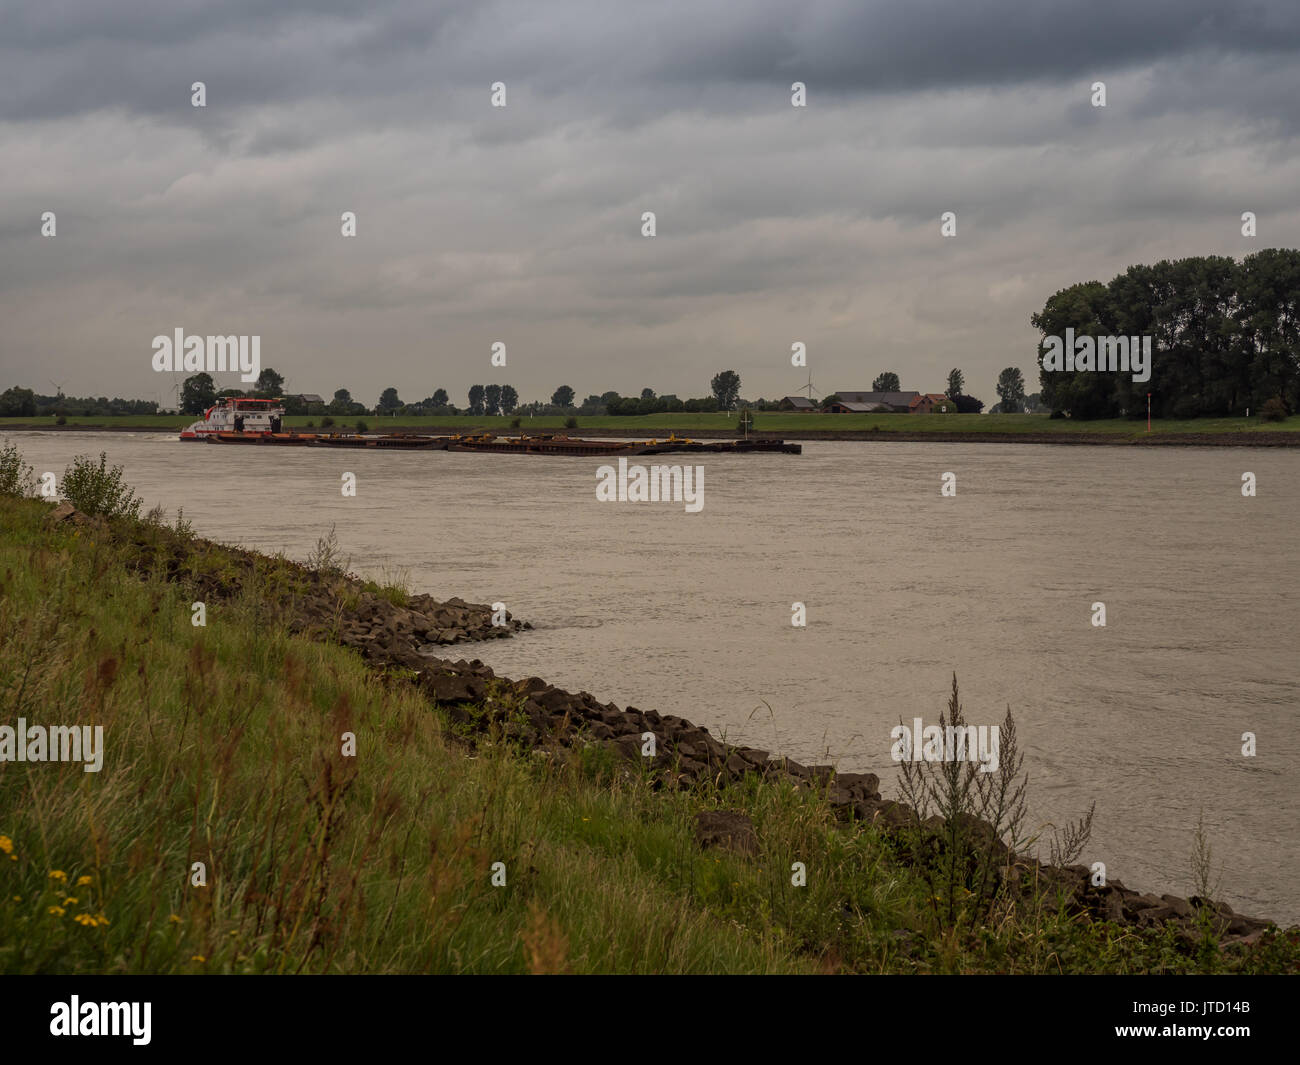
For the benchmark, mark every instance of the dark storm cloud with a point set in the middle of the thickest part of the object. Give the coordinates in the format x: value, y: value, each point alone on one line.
x: 67, y: 58
x: 142, y: 55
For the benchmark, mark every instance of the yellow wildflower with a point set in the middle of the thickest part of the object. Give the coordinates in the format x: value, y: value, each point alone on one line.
x: 6, y: 845
x: 174, y: 919
x: 57, y: 911
x: 70, y: 900
x: 58, y: 874
x: 101, y: 919
x: 198, y: 957
x: 85, y: 919
x: 82, y: 881
x: 18, y: 898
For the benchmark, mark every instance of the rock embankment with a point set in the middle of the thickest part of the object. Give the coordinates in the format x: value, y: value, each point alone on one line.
x: 541, y: 716
x: 322, y: 603
x: 384, y: 630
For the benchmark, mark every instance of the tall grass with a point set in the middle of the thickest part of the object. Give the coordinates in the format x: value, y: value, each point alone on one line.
x: 224, y: 747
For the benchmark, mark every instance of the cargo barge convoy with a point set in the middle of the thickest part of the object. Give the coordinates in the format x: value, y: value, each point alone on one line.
x: 236, y: 420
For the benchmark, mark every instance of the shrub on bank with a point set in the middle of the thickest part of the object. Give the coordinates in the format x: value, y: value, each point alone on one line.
x: 95, y: 489
x: 15, y: 475
x: 1274, y: 410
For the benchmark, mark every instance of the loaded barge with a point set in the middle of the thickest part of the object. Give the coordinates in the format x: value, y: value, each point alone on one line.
x: 540, y: 444
x: 235, y: 420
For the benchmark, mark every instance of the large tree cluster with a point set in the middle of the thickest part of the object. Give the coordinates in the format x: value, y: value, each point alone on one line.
x: 1225, y: 337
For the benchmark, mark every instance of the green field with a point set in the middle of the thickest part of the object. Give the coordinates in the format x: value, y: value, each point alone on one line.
x: 651, y: 425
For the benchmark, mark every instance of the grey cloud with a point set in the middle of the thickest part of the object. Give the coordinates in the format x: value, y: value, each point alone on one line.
x: 523, y: 224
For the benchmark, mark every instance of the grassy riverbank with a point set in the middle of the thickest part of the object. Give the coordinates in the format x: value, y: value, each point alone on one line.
x: 224, y: 746
x: 1027, y: 427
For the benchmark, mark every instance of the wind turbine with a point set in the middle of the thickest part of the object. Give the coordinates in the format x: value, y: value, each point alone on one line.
x: 809, y: 386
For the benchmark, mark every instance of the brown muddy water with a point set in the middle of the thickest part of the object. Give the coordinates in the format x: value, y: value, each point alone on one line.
x: 690, y: 613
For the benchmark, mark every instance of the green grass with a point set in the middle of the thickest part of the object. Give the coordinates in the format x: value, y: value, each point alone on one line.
x: 764, y: 422
x: 223, y: 746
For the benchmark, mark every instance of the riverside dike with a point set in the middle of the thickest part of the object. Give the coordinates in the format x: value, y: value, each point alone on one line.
x: 401, y: 637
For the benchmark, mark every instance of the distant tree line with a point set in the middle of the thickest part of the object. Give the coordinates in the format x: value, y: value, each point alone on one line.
x: 1225, y: 337
x: 199, y: 391
x: 24, y: 403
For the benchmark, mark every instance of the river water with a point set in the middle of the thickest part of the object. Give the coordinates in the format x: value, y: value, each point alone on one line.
x: 690, y: 613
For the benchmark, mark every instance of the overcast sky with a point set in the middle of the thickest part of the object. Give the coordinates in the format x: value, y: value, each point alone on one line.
x: 523, y: 224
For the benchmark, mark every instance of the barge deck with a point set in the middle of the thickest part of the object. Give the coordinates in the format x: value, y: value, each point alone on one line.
x: 542, y: 444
